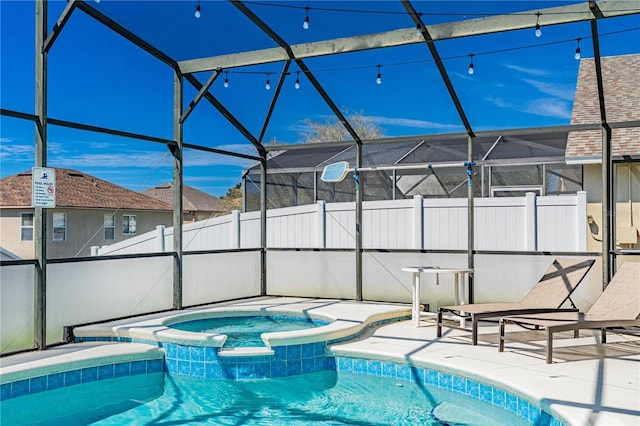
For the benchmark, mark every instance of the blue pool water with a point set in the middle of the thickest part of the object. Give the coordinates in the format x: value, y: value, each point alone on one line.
x: 246, y: 331
x: 322, y: 398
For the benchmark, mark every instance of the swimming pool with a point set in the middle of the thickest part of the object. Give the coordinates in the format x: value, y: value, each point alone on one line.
x: 246, y: 331
x: 345, y: 395
x: 198, y: 360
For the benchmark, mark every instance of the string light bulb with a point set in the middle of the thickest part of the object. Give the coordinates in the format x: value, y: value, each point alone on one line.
x: 379, y: 77
x: 267, y: 85
x: 197, y: 13
x: 577, y: 55
x: 226, y: 80
x: 538, y: 29
x: 470, y: 70
x: 297, y: 85
x: 305, y: 23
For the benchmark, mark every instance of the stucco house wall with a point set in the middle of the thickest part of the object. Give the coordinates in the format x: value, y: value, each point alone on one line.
x: 621, y: 81
x: 84, y: 229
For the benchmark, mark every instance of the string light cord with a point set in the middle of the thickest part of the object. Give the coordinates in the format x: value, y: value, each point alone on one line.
x: 393, y: 12
x: 447, y: 58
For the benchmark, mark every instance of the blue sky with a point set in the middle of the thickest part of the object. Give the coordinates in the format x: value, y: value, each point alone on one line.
x: 98, y: 78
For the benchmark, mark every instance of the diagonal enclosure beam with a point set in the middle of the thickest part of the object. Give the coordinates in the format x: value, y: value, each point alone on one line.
x: 203, y: 91
x: 325, y: 96
x: 119, y: 29
x: 233, y: 120
x: 57, y: 28
x: 290, y: 55
x: 443, y: 72
x: 274, y: 100
x: 472, y: 27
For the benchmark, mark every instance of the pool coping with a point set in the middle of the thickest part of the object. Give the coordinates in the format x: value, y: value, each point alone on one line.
x: 157, y: 329
x: 77, y: 356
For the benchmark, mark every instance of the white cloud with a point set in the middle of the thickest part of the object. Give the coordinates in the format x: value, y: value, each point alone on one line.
x: 300, y: 127
x: 16, y: 153
x: 246, y: 148
x: 553, y: 89
x: 5, y: 140
x: 464, y: 76
x: 110, y: 160
x: 205, y: 159
x: 415, y: 124
x: 499, y: 102
x: 112, y: 156
x: 527, y: 70
x: 548, y: 108
x: 99, y: 145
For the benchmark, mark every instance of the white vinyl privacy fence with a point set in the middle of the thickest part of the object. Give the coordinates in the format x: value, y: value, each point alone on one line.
x: 530, y: 223
x: 222, y: 260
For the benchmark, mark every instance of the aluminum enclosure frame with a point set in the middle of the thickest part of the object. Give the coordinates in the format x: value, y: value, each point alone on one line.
x: 588, y: 11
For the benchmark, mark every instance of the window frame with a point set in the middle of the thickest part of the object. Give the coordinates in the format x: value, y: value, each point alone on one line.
x: 126, y: 224
x: 111, y: 227
x: 24, y: 227
x: 54, y: 227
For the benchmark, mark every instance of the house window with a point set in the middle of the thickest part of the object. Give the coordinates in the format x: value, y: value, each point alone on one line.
x: 109, y: 227
x: 26, y: 227
x: 128, y: 224
x: 59, y: 227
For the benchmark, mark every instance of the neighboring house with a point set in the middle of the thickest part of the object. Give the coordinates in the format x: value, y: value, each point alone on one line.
x: 196, y: 205
x: 621, y: 80
x: 89, y: 212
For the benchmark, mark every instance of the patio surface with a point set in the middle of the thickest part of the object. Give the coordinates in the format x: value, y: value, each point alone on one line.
x: 588, y: 383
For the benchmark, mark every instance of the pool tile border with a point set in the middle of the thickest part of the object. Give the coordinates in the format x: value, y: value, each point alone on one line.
x: 495, y: 396
x: 57, y: 380
x: 257, y: 367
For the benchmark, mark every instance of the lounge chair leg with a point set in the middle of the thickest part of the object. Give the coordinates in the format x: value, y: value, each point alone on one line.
x: 549, y: 347
x: 603, y: 335
x: 474, y: 330
x: 501, y: 342
x: 439, y: 324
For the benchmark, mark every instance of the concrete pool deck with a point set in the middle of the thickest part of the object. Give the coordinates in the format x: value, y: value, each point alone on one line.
x: 588, y: 383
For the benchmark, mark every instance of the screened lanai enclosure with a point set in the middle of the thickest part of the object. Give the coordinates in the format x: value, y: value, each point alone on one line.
x: 506, y: 164
x: 198, y: 91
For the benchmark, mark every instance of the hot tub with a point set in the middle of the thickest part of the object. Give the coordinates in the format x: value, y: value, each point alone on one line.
x: 194, y: 350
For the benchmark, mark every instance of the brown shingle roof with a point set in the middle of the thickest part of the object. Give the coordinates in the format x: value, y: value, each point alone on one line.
x: 621, y: 79
x: 77, y: 189
x: 193, y: 199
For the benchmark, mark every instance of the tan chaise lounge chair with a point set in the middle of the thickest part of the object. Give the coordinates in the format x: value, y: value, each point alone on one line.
x: 617, y: 306
x: 549, y: 294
